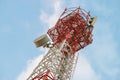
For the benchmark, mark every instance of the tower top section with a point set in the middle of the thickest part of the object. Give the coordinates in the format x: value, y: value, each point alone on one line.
x: 76, y: 26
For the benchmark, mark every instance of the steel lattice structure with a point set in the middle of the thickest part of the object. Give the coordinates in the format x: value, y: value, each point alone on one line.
x: 72, y: 32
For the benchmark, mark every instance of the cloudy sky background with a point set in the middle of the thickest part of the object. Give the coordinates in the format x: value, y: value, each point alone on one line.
x: 24, y: 20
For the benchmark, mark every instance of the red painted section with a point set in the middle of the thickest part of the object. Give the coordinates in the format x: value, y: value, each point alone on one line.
x: 45, y: 76
x: 73, y: 25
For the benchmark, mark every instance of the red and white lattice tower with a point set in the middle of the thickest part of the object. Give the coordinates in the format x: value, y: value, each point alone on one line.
x: 72, y: 32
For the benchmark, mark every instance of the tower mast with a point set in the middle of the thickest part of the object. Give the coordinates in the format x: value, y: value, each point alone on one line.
x: 72, y: 32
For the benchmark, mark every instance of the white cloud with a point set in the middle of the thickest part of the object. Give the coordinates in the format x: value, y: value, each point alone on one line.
x: 29, y: 68
x: 50, y: 20
x: 84, y: 71
x: 31, y: 64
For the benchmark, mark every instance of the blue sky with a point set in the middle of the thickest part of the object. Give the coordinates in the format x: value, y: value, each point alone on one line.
x: 24, y: 20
